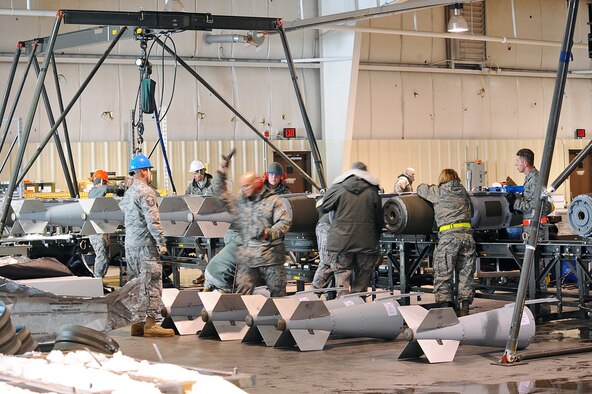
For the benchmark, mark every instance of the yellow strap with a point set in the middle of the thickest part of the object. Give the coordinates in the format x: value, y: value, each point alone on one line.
x: 455, y: 225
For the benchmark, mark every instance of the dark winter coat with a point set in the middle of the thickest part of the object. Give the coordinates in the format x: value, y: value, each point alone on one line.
x: 358, y: 217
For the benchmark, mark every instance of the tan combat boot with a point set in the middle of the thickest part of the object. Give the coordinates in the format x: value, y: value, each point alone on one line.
x: 137, y: 329
x: 464, y: 309
x: 151, y: 329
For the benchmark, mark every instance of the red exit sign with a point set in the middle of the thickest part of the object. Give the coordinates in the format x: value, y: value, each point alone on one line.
x: 289, y: 132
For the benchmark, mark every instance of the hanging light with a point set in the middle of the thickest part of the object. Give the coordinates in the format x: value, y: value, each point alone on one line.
x: 173, y: 6
x: 457, y: 23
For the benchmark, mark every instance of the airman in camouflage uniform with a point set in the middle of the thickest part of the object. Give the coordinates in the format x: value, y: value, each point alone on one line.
x: 220, y: 271
x: 262, y: 221
x: 144, y: 243
x: 525, y: 165
x: 455, y: 251
x: 100, y: 242
x: 324, y: 273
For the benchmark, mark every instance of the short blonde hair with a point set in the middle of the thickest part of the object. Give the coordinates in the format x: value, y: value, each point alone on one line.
x: 447, y: 175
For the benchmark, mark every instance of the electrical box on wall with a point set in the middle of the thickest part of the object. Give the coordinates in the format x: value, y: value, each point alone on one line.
x: 580, y: 133
x: 475, y: 175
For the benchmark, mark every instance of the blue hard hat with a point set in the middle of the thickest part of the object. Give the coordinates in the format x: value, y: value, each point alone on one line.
x: 139, y: 162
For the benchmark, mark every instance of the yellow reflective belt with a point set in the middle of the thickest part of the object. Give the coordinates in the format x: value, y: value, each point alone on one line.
x: 455, y: 225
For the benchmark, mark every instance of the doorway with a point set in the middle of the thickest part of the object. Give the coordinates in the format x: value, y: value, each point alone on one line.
x: 580, y: 181
x: 294, y: 180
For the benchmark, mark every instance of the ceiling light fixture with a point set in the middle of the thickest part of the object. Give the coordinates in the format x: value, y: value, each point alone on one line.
x: 457, y: 23
x: 173, y: 6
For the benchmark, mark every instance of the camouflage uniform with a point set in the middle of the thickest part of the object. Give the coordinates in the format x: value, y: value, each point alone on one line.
x: 528, y: 200
x: 221, y: 268
x: 455, y: 252
x: 143, y: 239
x: 402, y: 184
x: 203, y: 188
x: 323, y: 274
x: 100, y: 242
x: 357, y: 223
x: 259, y: 259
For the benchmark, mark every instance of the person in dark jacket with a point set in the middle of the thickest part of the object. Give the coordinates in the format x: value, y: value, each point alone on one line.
x: 274, y: 179
x: 352, y: 243
x: 455, y: 252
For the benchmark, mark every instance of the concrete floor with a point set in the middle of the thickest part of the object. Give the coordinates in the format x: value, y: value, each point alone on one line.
x: 371, y: 366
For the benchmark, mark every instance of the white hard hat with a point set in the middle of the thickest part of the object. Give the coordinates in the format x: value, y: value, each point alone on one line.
x: 196, y: 165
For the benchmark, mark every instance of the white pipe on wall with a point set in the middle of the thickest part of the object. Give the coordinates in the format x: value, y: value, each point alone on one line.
x: 452, y: 36
x: 15, y: 12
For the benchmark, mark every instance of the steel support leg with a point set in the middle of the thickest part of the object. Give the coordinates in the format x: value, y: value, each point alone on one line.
x: 17, y: 55
x: 61, y: 118
x: 316, y: 155
x: 65, y: 128
x: 17, y: 98
x: 27, y: 131
x: 533, y: 230
x: 195, y: 75
x: 56, y: 136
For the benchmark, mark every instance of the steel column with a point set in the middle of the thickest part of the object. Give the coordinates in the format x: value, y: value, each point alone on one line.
x: 16, y: 100
x: 31, y: 114
x: 533, y: 230
x: 61, y: 118
x: 17, y: 55
x: 314, y: 148
x: 56, y: 136
x: 65, y: 128
x: 235, y: 111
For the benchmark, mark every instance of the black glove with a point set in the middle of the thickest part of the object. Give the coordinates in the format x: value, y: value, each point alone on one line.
x: 511, y: 200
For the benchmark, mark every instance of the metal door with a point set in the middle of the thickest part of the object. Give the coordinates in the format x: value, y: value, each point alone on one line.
x: 294, y: 180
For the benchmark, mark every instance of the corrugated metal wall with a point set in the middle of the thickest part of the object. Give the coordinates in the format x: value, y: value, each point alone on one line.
x: 388, y: 158
x: 113, y: 156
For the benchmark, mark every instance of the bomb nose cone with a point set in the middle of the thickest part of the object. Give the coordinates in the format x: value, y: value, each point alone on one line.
x: 205, y: 316
x: 249, y: 320
x: 280, y: 325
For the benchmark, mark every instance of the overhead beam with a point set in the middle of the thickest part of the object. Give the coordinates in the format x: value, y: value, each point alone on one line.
x: 170, y: 20
x: 398, y: 6
x: 75, y: 39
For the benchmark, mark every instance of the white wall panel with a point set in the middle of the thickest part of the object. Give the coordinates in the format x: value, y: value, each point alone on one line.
x: 182, y: 114
x: 448, y: 122
x: 386, y: 105
x: 417, y: 50
x: 363, y: 124
x: 529, y: 25
x: 418, y: 105
x: 577, y: 113
x: 499, y: 24
x: 249, y: 81
x: 459, y: 106
x: 531, y: 116
x: 504, y: 104
x: 476, y: 107
x: 100, y: 97
x: 555, y: 11
x: 383, y: 48
x: 214, y: 120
